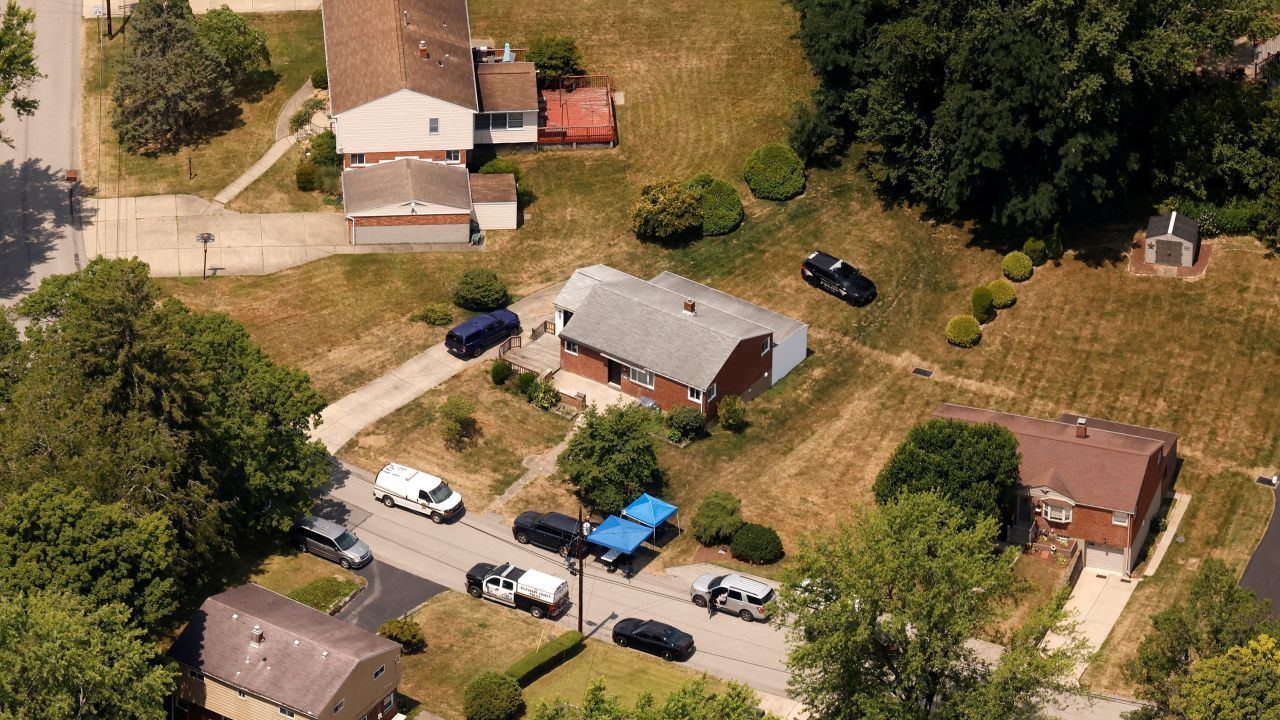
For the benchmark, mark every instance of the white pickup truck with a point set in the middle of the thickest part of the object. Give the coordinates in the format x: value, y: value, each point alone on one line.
x: 418, y: 491
x: 537, y: 592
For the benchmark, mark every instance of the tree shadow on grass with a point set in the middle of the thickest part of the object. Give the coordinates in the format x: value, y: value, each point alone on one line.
x: 257, y: 84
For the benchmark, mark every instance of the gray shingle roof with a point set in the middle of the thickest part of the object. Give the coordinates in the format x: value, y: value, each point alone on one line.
x: 645, y: 325
x: 218, y: 642
x: 782, y: 326
x: 1173, y: 225
x: 404, y: 181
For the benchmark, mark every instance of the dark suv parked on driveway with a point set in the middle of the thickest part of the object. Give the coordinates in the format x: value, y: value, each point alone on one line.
x: 476, y: 335
x: 838, y: 278
x: 553, y: 531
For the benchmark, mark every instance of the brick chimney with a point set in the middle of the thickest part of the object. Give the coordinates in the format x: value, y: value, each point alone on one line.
x: 257, y: 635
x: 1082, y: 428
x: 422, y: 50
x: 690, y: 307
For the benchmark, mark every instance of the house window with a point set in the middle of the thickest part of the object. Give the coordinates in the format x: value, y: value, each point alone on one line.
x: 388, y: 701
x: 338, y: 708
x: 695, y: 394
x: 764, y: 347
x: 356, y: 158
x: 433, y: 126
x: 378, y: 673
x: 711, y: 392
x: 1057, y: 514
x: 182, y: 704
x: 286, y: 711
x: 452, y: 155
x: 196, y: 675
x: 240, y: 692
x: 571, y: 347
x: 1120, y: 518
x: 482, y: 121
x: 515, y: 121
x: 642, y: 377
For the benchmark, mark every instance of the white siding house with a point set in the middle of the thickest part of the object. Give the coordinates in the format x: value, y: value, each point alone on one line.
x: 401, y: 121
x: 498, y: 128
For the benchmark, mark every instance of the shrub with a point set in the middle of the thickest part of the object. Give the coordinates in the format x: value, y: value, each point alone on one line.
x: 555, y: 56
x: 718, y: 202
x: 1017, y: 266
x: 982, y: 304
x: 310, y: 107
x: 756, y: 544
x: 665, y: 211
x: 536, y: 664
x: 963, y: 331
x: 1034, y: 248
x: 320, y: 79
x: 774, y: 172
x: 814, y: 137
x: 307, y: 176
x: 544, y: 395
x: 500, y: 372
x: 732, y: 412
x: 329, y: 180
x: 524, y: 384
x: 406, y: 632
x: 481, y: 290
x: 717, y: 518
x: 699, y: 182
x: 324, y: 593
x: 686, y: 421
x: 457, y: 426
x: 437, y: 313
x: 1053, y: 245
x: 492, y: 696
x: 1003, y: 294
x: 501, y: 166
x: 324, y: 149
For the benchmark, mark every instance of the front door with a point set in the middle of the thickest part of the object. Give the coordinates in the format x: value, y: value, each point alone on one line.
x: 1168, y: 252
x: 1024, y: 509
x: 615, y: 374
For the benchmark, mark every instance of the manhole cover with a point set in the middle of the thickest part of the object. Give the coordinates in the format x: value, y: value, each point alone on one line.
x: 921, y: 372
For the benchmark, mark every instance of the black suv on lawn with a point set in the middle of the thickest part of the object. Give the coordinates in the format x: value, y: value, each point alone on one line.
x: 838, y: 278
x: 553, y: 531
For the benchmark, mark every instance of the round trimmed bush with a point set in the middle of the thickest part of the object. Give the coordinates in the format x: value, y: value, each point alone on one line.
x: 732, y: 412
x: 774, y: 172
x: 1003, y: 294
x: 492, y: 696
x: 666, y: 210
x: 500, y: 372
x: 320, y: 79
x: 406, y: 632
x: 756, y: 544
x: 963, y: 331
x: 717, y: 518
x: 721, y: 209
x: 480, y: 290
x: 437, y: 314
x: 501, y: 166
x: 524, y: 384
x: 1034, y: 248
x: 983, y: 311
x: 1017, y: 266
x: 699, y: 182
x: 686, y: 421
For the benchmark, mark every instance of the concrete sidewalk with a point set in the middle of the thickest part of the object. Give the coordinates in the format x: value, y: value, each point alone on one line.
x: 346, y: 417
x: 255, y: 171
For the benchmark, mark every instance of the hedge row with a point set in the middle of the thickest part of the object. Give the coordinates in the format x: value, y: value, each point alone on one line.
x: 540, y: 661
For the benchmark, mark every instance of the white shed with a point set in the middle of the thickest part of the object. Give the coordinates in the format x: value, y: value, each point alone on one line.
x: 1172, y: 239
x: 493, y: 202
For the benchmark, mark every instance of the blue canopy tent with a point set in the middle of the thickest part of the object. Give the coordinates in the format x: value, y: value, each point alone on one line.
x: 622, y: 537
x: 649, y: 510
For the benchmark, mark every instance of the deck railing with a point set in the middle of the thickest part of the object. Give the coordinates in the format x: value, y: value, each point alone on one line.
x: 565, y: 136
x: 547, y: 326
x: 494, y: 55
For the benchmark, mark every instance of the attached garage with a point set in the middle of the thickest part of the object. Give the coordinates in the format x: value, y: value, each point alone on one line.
x: 1172, y: 239
x: 1105, y: 557
x: 493, y: 202
x: 407, y: 201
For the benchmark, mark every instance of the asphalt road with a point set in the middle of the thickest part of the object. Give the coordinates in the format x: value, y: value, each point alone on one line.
x: 391, y: 593
x: 1262, y: 575
x: 37, y: 235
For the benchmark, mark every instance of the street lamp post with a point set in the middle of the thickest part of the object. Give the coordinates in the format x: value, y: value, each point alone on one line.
x: 582, y: 576
x: 204, y: 239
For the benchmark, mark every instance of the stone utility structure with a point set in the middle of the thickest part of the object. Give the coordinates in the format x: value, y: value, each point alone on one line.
x: 1172, y: 239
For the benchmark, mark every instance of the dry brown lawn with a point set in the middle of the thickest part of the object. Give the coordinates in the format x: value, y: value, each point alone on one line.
x: 277, y: 190
x: 510, y: 429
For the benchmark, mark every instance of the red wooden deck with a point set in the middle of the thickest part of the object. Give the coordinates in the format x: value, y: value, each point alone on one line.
x: 582, y: 115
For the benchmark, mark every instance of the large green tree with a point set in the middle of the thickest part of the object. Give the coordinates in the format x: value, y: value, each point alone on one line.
x: 1243, y: 684
x: 17, y: 62
x: 172, y: 88
x: 54, y: 537
x: 62, y: 656
x: 975, y: 466
x: 241, y: 47
x: 610, y: 459
x: 882, y: 612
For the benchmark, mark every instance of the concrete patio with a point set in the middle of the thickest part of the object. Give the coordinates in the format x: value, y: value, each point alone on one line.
x: 601, y: 395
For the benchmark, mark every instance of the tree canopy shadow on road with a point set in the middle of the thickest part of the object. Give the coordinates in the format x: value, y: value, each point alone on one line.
x: 29, y: 231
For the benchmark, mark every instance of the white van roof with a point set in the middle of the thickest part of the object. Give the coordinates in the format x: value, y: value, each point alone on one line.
x: 407, y: 474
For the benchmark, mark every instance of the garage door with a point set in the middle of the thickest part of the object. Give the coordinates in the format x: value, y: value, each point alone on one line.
x: 1104, y: 557
x: 405, y: 234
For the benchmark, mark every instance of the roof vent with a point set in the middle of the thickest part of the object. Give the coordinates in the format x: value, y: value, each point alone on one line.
x: 324, y: 653
x: 690, y: 307
x: 295, y: 643
x: 235, y: 616
x: 1082, y: 428
x: 422, y: 50
x: 257, y: 634
x: 440, y: 63
x: 405, y: 17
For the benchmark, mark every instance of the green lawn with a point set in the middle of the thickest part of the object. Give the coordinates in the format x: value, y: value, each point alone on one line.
x: 290, y: 571
x: 296, y: 43
x: 626, y: 673
x: 277, y: 190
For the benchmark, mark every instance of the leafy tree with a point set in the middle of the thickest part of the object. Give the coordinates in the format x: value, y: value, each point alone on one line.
x: 53, y: 537
x: 719, y: 516
x: 810, y: 132
x: 555, y: 56
x: 17, y: 62
x: 666, y: 210
x: 1243, y: 684
x: 481, y: 290
x: 493, y: 696
x: 65, y: 657
x: 324, y: 149
x: 10, y: 360
x: 457, y: 424
x: 610, y: 459
x: 1217, y: 615
x: 881, y: 613
x: 171, y: 89
x: 241, y: 47
x: 975, y: 466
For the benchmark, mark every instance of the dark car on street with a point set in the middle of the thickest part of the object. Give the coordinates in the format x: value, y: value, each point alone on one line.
x: 837, y: 277
x: 652, y: 636
x: 553, y: 531
x: 482, y: 331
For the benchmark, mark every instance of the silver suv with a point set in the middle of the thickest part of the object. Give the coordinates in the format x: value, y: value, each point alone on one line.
x: 734, y: 594
x: 330, y: 540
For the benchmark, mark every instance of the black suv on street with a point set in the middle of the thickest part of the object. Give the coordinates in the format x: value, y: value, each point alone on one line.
x: 553, y: 531
x: 838, y: 278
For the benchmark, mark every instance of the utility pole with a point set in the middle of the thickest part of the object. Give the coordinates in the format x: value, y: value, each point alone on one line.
x: 204, y: 239
x: 582, y: 577
x: 109, y: 18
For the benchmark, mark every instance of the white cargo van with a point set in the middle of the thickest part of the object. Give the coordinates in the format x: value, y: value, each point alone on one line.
x: 418, y: 491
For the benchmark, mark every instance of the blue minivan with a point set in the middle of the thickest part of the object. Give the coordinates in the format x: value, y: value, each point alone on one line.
x: 475, y: 335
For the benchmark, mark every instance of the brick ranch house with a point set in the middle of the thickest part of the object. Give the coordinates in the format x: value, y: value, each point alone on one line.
x: 250, y: 654
x: 406, y: 85
x: 672, y: 340
x: 1088, y: 479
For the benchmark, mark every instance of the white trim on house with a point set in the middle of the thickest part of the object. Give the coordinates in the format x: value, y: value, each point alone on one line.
x: 410, y: 208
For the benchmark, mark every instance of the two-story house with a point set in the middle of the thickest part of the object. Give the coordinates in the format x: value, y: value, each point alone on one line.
x: 1088, y: 479
x: 252, y: 654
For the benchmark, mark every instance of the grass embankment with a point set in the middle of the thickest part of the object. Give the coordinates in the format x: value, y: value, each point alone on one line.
x: 277, y: 191
x: 319, y: 581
